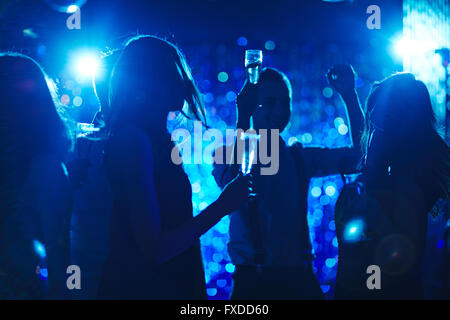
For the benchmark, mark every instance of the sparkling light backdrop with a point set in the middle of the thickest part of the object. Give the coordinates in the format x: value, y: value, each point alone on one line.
x: 426, y: 27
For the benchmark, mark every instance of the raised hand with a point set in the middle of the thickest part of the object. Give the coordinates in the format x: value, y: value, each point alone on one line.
x: 342, y: 78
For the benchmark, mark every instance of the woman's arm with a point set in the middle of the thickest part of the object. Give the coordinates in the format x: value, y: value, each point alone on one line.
x: 138, y: 183
x: 342, y: 78
x: 324, y: 161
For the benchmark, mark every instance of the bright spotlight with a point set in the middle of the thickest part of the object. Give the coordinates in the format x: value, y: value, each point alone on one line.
x: 72, y: 8
x: 404, y: 47
x: 87, y: 66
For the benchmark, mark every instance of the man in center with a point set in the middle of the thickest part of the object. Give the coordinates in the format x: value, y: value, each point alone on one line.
x: 269, y: 238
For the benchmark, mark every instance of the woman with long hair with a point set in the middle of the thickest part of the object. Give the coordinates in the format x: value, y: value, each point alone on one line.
x: 155, y: 250
x: 35, y: 194
x: 381, y: 219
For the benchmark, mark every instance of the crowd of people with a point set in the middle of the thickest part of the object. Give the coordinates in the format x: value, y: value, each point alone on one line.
x: 153, y: 248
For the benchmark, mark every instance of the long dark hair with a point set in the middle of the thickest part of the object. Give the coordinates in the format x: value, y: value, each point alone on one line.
x: 29, y: 121
x: 400, y: 135
x: 147, y: 69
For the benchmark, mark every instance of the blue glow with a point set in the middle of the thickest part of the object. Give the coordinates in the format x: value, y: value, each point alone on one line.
x: 217, y: 257
x: 43, y: 273
x: 343, y: 129
x: 327, y: 92
x: 208, y: 97
x: 292, y: 140
x: 222, y: 76
x: 211, y: 292
x: 231, y: 96
x: 223, y: 226
x: 66, y: 172
x: 214, y: 266
x: 338, y: 121
x: 324, y: 200
x: 332, y: 225
x: 270, y: 45
x: 412, y: 46
x: 242, y: 41
x: 354, y: 230
x: 318, y: 214
x: 325, y: 288
x: 330, y: 190
x: 335, y: 242
x: 196, y: 187
x: 316, y: 192
x: 221, y: 283
x: 77, y: 101
x: 250, y: 161
x: 72, y: 8
x: 230, y: 268
x: 330, y: 262
x: 307, y: 138
x: 42, y: 50
x: 39, y: 248
x: 202, y: 205
x: 218, y: 243
x: 86, y: 65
